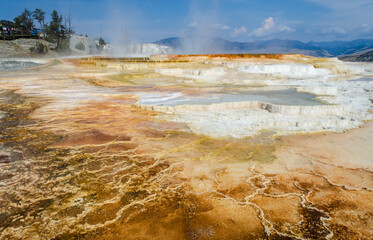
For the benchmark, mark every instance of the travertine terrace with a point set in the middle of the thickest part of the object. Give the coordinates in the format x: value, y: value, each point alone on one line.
x: 187, y: 147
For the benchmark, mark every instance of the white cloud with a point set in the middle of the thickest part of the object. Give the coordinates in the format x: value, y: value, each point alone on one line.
x: 334, y: 30
x: 269, y: 26
x: 366, y: 28
x: 220, y: 26
x: 238, y: 31
x: 284, y: 28
x: 364, y: 25
x: 217, y: 26
x: 192, y: 25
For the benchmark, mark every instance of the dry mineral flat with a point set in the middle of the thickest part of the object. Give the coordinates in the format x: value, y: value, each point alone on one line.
x: 186, y: 147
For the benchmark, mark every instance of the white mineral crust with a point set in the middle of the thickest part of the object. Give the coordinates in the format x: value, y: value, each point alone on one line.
x: 347, y: 102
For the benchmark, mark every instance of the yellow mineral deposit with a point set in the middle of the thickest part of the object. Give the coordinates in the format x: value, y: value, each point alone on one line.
x: 82, y: 157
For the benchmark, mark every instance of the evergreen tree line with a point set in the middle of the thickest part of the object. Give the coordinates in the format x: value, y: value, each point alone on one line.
x: 54, y: 31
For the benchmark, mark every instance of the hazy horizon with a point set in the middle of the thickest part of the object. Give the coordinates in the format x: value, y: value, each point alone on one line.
x: 232, y: 20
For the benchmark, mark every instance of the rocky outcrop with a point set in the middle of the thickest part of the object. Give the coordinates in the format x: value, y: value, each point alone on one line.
x: 366, y: 57
x: 25, y: 48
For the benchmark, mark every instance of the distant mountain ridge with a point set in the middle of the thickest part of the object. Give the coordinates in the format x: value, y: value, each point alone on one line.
x: 207, y: 45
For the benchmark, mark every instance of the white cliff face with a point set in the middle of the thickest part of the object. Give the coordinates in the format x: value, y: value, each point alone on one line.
x: 240, y: 119
x: 347, y: 103
x: 285, y: 70
x: 151, y: 48
x: 83, y: 45
x: 229, y: 72
x: 136, y: 50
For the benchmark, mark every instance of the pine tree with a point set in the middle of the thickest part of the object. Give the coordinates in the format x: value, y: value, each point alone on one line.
x: 39, y: 15
x: 24, y: 21
x: 101, y: 44
x: 55, y: 28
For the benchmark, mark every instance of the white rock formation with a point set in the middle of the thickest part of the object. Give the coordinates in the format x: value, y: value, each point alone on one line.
x: 347, y: 103
x: 285, y: 70
x: 137, y: 50
x: 83, y: 45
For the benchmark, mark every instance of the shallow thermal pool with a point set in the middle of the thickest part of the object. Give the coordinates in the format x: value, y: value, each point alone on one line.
x: 280, y: 97
x: 365, y: 79
x: 16, y: 65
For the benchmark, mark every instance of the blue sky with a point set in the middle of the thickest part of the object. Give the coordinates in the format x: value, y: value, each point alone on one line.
x: 234, y: 20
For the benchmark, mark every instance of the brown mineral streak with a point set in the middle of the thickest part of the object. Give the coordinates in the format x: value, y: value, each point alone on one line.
x: 97, y: 167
